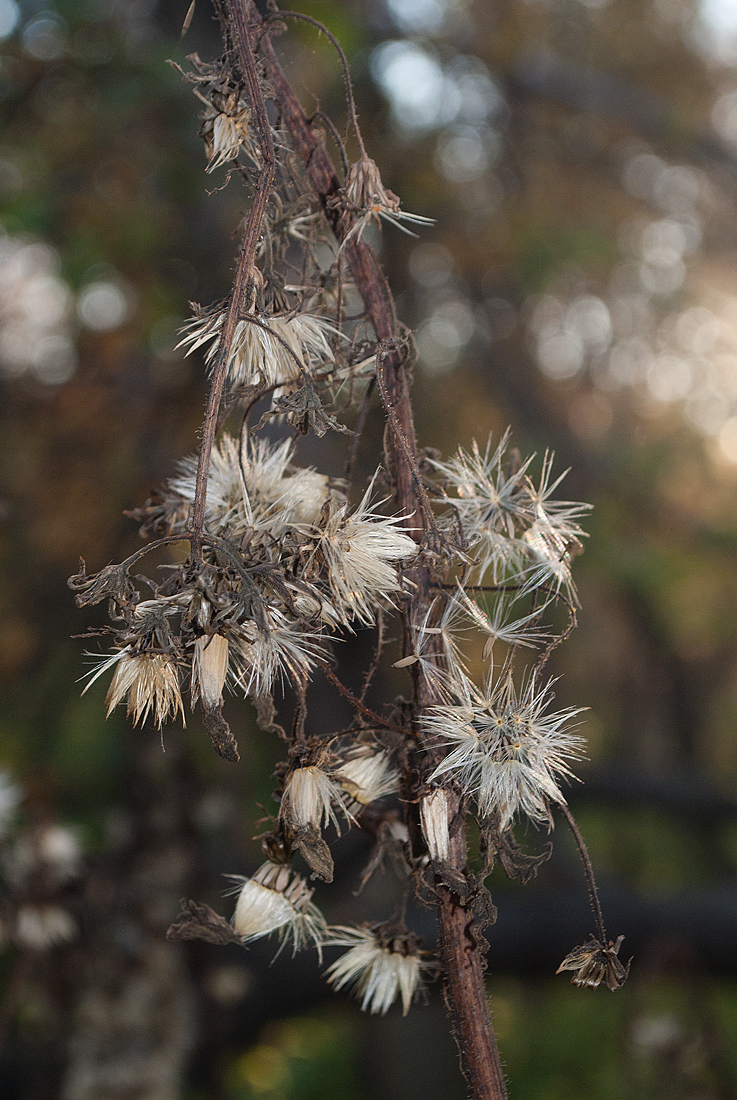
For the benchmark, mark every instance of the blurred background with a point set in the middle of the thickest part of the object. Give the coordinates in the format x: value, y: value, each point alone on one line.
x: 579, y: 285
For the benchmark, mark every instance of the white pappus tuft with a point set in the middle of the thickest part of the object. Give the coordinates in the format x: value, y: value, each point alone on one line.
x: 359, y: 550
x: 499, y: 626
x: 252, y: 488
x: 505, y: 750
x: 309, y: 798
x: 379, y: 968
x: 366, y: 774
x: 264, y: 654
x: 267, y: 349
x: 277, y: 899
x: 149, y: 683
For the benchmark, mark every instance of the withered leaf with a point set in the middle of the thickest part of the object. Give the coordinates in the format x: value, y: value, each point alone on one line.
x: 305, y: 411
x: 200, y: 922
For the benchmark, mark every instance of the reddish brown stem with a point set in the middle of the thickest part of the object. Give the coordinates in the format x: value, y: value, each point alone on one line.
x: 244, y: 272
x: 465, y: 990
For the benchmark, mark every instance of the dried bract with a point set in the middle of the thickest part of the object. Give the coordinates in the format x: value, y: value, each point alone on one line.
x: 594, y: 963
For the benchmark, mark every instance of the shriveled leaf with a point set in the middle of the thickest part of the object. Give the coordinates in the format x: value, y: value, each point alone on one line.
x: 200, y: 922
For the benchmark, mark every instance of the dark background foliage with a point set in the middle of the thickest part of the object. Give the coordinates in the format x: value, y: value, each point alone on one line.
x: 580, y: 160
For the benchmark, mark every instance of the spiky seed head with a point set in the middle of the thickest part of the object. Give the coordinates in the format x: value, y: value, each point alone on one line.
x: 360, y: 551
x: 506, y: 751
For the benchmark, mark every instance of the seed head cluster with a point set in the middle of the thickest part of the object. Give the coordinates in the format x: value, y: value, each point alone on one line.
x: 270, y: 564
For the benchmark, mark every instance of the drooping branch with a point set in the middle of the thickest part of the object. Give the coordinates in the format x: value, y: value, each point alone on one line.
x: 459, y: 948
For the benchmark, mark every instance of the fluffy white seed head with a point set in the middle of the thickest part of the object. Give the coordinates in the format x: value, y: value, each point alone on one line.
x: 277, y: 899
x: 360, y: 550
x: 512, y: 525
x: 267, y: 349
x: 378, y: 969
x: 253, y: 489
x: 505, y: 750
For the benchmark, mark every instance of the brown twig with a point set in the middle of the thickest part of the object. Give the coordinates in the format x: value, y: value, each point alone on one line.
x: 588, y: 871
x: 244, y: 272
x: 359, y: 705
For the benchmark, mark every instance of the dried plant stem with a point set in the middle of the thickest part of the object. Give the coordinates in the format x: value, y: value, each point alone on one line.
x: 244, y: 272
x: 359, y: 703
x: 588, y: 871
x: 465, y: 992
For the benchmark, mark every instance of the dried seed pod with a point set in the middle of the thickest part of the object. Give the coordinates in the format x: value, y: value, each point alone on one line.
x: 435, y: 825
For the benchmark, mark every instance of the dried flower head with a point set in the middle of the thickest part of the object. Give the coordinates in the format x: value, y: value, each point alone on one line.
x: 359, y: 550
x: 366, y: 773
x: 225, y: 134
x: 506, y: 750
x: 267, y: 349
x: 371, y: 201
x: 148, y: 682
x: 277, y: 899
x: 310, y: 798
x: 595, y: 962
x: 379, y: 966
